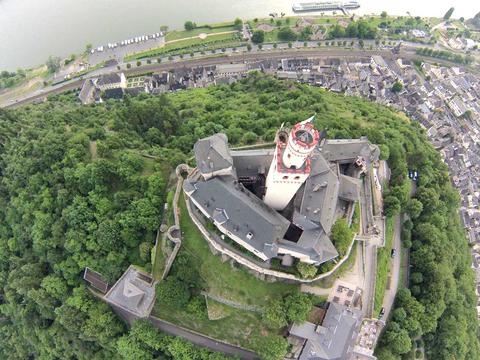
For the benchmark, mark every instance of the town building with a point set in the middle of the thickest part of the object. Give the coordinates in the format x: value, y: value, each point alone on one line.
x: 333, y: 338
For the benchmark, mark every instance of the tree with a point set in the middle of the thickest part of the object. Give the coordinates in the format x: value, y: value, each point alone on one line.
x: 189, y: 25
x: 383, y: 14
x: 397, y: 86
x: 238, y: 24
x: 53, y: 64
x: 448, y: 14
x: 414, y: 208
x: 385, y: 354
x: 131, y: 349
x: 164, y: 28
x: 197, y: 307
x: 88, y: 48
x: 173, y: 292
x: 258, y: 36
x: 274, y: 315
x: 336, y: 31
x: 341, y: 236
x: 271, y: 347
x: 397, y: 339
x: 384, y: 152
x: 307, y: 271
x: 286, y: 34
x: 297, y: 306
x: 391, y: 205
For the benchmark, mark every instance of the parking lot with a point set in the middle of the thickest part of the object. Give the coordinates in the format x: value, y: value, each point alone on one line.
x: 119, y: 51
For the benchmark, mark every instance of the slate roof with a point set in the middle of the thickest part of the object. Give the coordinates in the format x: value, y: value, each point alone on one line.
x: 240, y: 212
x: 334, y: 338
x: 321, y: 192
x: 86, y: 95
x: 133, y: 292
x: 112, y: 78
x: 212, y: 154
x: 252, y: 162
x: 116, y: 93
x: 347, y: 150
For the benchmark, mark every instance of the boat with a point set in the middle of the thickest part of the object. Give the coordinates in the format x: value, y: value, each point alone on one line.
x: 325, y: 6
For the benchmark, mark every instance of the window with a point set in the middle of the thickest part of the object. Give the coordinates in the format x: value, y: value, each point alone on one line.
x: 285, y: 177
x: 297, y: 177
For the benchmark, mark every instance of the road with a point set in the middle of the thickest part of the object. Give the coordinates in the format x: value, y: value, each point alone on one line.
x: 194, y: 337
x: 201, y: 340
x: 394, y: 270
x: 370, y: 265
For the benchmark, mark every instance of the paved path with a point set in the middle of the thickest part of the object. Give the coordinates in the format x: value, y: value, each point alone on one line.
x: 394, y: 270
x: 232, y: 303
x: 315, y: 290
x: 192, y: 336
x: 202, y: 340
x: 370, y: 261
x: 206, y: 35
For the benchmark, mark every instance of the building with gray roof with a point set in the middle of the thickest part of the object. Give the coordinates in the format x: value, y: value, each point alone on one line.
x: 213, y: 156
x: 333, y: 339
x: 133, y: 292
x: 228, y: 187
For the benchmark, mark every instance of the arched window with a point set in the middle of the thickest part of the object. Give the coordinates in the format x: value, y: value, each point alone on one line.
x: 285, y: 177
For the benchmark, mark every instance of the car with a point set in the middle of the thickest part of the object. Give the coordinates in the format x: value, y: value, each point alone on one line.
x: 382, y: 312
x: 393, y: 253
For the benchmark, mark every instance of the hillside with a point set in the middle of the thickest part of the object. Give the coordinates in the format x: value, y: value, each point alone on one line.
x: 76, y: 190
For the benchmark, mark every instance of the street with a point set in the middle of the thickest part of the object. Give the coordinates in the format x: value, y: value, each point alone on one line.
x: 394, y: 272
x: 194, y: 337
x: 202, y: 340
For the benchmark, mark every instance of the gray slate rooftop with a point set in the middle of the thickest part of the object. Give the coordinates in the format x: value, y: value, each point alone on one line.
x: 212, y: 154
x: 133, y: 292
x: 334, y: 338
x: 240, y: 212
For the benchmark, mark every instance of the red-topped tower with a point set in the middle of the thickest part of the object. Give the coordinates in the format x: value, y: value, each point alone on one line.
x: 291, y: 163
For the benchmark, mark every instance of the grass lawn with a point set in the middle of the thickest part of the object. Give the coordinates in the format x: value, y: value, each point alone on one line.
x: 180, y: 34
x: 383, y: 265
x: 159, y: 260
x: 183, y: 45
x: 235, y: 326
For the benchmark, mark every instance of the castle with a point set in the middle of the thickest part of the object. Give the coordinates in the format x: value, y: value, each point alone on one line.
x: 282, y: 202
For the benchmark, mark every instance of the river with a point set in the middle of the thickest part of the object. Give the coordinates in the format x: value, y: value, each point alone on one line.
x: 31, y: 30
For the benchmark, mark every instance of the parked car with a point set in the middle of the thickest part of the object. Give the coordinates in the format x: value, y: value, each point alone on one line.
x: 382, y: 312
x: 393, y: 253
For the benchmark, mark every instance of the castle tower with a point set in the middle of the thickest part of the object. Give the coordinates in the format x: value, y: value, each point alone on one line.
x: 290, y: 166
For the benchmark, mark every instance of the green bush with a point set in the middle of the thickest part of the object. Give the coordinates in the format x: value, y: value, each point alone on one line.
x: 307, y: 271
x: 341, y: 236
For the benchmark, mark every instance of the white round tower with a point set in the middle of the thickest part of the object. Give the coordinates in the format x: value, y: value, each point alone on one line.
x: 301, y: 142
x: 290, y: 166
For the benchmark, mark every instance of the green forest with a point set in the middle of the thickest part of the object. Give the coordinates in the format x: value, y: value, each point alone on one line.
x: 85, y: 186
